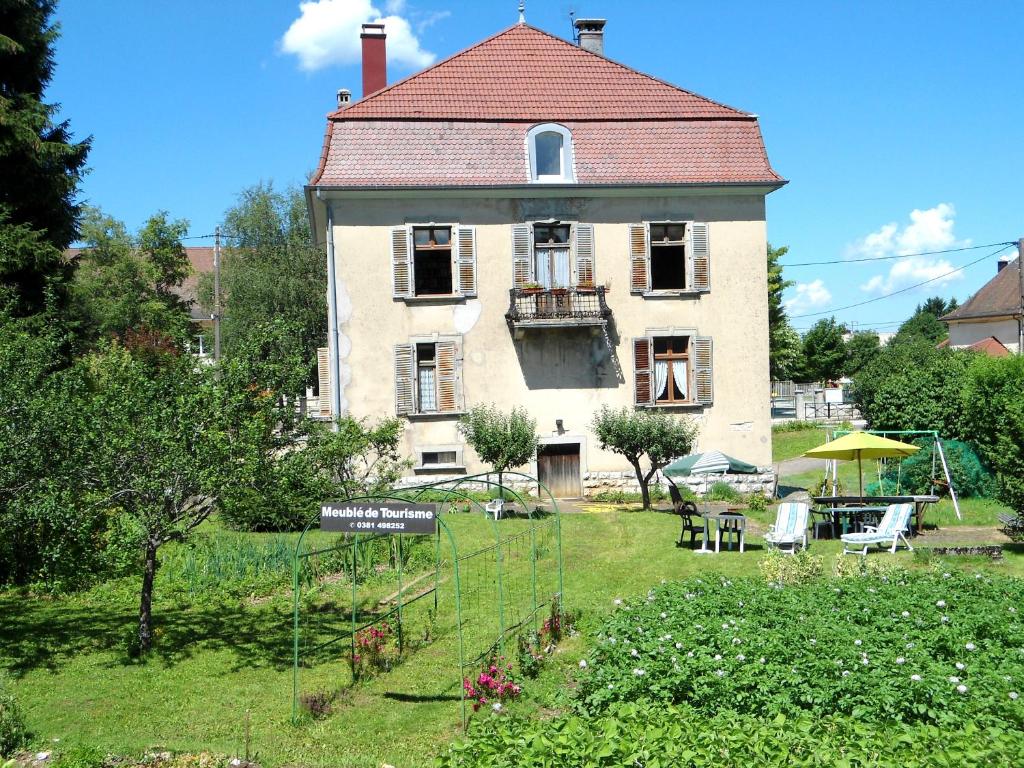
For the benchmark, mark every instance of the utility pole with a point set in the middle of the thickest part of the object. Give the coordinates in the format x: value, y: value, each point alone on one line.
x: 1020, y: 308
x: 216, y: 295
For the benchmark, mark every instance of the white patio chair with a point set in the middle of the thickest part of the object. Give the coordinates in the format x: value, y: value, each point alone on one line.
x: 893, y: 526
x: 790, y: 527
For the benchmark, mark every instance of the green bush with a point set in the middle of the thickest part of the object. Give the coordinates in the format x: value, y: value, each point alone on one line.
x: 81, y: 757
x: 13, y: 733
x: 723, y: 492
x: 915, y: 476
x: 994, y: 405
x: 645, y: 733
x: 757, y: 502
x: 658, y: 493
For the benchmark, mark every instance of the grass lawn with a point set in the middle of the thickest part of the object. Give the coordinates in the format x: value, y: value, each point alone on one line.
x: 793, y: 443
x: 215, y: 660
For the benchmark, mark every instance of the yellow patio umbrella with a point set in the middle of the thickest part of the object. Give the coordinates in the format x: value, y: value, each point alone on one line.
x: 859, y: 446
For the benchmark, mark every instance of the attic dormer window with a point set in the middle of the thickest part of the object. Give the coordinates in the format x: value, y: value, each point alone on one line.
x: 549, y: 148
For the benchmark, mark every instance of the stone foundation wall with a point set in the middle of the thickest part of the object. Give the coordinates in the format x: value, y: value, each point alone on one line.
x: 597, y: 482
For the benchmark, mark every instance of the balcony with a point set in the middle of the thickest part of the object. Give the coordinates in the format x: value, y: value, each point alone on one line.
x: 557, y: 308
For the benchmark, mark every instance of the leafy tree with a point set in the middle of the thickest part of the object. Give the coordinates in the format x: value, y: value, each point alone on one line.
x: 271, y: 269
x: 924, y: 323
x: 783, y: 341
x: 994, y: 407
x: 860, y: 350
x: 125, y: 282
x: 40, y: 166
x: 504, y: 441
x: 914, y: 386
x: 824, y: 351
x: 634, y: 434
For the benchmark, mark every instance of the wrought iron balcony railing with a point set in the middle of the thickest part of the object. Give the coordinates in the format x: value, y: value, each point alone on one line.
x: 557, y: 307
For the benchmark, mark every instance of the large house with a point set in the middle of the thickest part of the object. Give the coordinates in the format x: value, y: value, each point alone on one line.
x: 529, y: 223
x: 989, y: 321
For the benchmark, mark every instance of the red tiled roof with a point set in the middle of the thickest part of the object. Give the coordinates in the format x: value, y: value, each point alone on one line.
x: 463, y: 122
x: 990, y: 346
x: 524, y: 73
x: 404, y: 153
x: 999, y: 297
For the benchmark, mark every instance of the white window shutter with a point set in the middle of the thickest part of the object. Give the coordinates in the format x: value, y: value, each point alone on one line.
x: 405, y: 377
x: 448, y: 399
x: 522, y: 263
x: 401, y: 263
x: 639, y: 259
x: 465, y: 261
x: 584, y: 254
x: 703, y: 375
x: 643, y: 366
x: 323, y: 372
x: 700, y: 253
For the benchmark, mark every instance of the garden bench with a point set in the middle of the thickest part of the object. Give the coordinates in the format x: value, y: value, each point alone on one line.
x: 1007, y: 519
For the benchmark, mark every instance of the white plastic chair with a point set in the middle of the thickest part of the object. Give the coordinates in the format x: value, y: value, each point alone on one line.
x: 495, y: 507
x: 790, y: 527
x: 893, y: 526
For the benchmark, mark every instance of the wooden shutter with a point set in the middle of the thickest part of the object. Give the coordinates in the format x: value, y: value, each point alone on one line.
x: 448, y: 399
x: 700, y: 254
x: 643, y: 364
x: 405, y: 377
x: 323, y: 371
x: 401, y: 263
x: 522, y: 263
x: 584, y: 254
x: 639, y: 259
x: 465, y: 260
x: 703, y: 378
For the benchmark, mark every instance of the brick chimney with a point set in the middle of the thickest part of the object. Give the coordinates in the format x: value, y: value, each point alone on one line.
x: 591, y: 35
x: 375, y: 67
x: 1002, y: 263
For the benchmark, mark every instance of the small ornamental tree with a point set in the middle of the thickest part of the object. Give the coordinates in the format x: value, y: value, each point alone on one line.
x: 634, y: 434
x: 502, y: 440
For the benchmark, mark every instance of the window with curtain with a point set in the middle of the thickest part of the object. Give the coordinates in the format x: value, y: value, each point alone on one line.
x: 551, y: 252
x: 672, y: 369
x: 426, y: 377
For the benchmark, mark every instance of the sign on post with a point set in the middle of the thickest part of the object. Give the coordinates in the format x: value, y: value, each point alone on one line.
x: 380, y: 517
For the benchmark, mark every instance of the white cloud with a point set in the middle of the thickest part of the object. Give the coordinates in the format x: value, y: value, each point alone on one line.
x: 424, y: 22
x: 928, y: 230
x: 808, y: 296
x: 327, y: 32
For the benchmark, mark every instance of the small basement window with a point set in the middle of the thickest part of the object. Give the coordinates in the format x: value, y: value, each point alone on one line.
x: 438, y: 457
x: 668, y: 257
x: 432, y: 261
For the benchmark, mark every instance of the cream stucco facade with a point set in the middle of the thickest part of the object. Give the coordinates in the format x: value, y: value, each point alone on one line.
x: 964, y: 333
x: 558, y: 374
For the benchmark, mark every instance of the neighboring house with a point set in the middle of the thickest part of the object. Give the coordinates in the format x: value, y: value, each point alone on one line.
x: 988, y: 321
x: 531, y: 224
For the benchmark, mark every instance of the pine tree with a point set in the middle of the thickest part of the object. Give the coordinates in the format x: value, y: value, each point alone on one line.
x: 40, y: 165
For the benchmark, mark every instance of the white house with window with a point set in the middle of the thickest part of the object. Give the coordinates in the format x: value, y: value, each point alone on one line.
x: 599, y: 244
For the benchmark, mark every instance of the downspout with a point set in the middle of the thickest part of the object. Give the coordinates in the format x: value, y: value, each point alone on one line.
x: 332, y: 315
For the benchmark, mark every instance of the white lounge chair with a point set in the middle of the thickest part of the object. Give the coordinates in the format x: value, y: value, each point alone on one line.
x: 790, y: 528
x: 893, y: 526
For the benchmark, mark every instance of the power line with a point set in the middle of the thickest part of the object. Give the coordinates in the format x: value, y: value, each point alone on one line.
x: 896, y: 256
x: 908, y: 288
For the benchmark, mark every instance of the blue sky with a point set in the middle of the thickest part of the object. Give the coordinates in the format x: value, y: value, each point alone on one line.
x: 897, y: 123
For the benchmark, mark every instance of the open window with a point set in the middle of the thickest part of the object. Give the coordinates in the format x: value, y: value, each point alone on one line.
x: 433, y: 261
x: 549, y: 149
x: 669, y: 257
x: 428, y: 377
x: 673, y: 369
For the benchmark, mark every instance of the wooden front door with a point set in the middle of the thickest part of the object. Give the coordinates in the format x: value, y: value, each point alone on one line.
x: 558, y: 468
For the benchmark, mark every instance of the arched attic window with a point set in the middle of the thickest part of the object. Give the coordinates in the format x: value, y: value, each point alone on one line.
x: 549, y: 148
